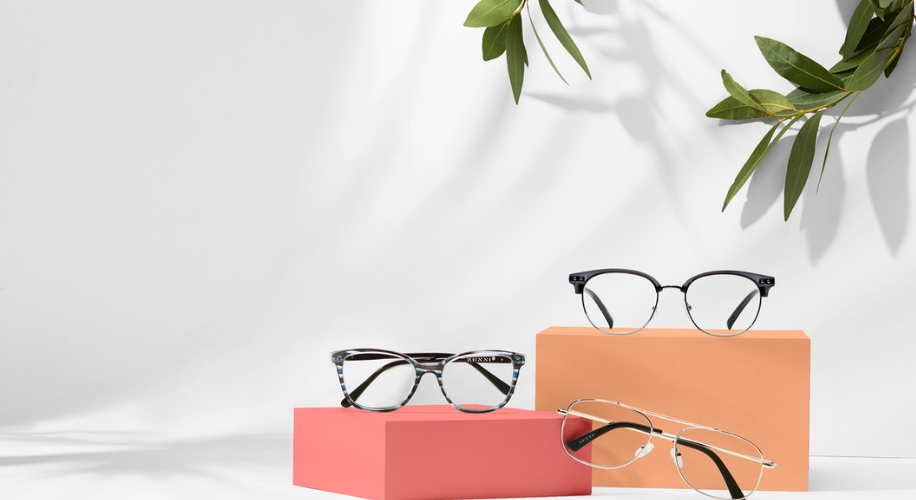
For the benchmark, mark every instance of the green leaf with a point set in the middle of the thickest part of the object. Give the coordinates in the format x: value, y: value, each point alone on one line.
x: 830, y: 138
x: 869, y: 70
x: 874, y: 33
x: 759, y: 153
x: 516, y: 56
x: 905, y: 16
x: 800, y: 159
x: 796, y: 67
x: 857, y: 26
x: 810, y: 100
x: 892, y: 39
x: 763, y: 147
x: 562, y: 35
x: 772, y: 101
x: 879, y: 10
x: 494, y: 41
x: 733, y: 109
x: 491, y: 13
x: 740, y: 93
x: 544, y: 49
x: 892, y: 64
x: 851, y: 63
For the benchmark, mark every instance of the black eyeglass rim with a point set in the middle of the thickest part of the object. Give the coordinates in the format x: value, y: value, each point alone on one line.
x: 441, y: 360
x: 762, y: 281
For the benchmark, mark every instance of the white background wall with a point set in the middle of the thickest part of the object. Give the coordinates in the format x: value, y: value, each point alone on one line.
x: 200, y: 200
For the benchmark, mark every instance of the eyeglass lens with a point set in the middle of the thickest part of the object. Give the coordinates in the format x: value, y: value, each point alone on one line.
x: 478, y: 379
x: 610, y: 443
x: 706, y: 462
x: 379, y: 380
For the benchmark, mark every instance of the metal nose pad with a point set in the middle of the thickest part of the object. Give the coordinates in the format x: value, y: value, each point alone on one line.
x: 678, y: 459
x: 644, y: 450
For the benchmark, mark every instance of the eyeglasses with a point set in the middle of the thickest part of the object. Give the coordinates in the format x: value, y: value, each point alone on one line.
x: 473, y: 382
x: 623, y: 301
x: 611, y: 435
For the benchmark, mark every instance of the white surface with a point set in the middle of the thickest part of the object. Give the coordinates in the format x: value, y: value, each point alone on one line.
x: 106, y: 466
x: 201, y: 200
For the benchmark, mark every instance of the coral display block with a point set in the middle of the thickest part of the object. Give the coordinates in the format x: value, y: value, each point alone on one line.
x: 756, y: 385
x: 434, y: 452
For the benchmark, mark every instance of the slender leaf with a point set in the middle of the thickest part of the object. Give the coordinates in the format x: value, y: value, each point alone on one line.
x: 874, y: 33
x: 885, y: 3
x: 896, y: 56
x: 756, y: 157
x: 869, y: 70
x: 892, y: 39
x: 516, y: 56
x: 850, y: 63
x: 796, y: 67
x: 892, y: 63
x: 491, y: 13
x: 800, y: 159
x: 494, y: 41
x: 879, y: 11
x: 730, y: 108
x: 809, y: 100
x: 763, y: 147
x: 562, y: 35
x: 733, y: 109
x: 740, y: 93
x: 543, y: 48
x: 857, y: 25
x: 772, y: 101
x: 905, y: 16
x: 830, y: 138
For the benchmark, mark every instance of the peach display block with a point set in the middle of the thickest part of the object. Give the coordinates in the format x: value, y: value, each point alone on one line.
x: 433, y: 452
x: 756, y: 385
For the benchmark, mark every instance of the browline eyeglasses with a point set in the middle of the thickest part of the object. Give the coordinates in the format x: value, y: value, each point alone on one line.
x: 472, y: 382
x: 623, y: 301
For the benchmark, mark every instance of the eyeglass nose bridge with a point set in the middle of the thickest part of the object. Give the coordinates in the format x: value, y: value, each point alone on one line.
x: 679, y: 288
x: 424, y: 368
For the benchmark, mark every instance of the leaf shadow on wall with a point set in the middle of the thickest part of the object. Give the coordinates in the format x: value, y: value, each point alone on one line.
x: 639, y: 110
x: 887, y: 175
x: 765, y: 185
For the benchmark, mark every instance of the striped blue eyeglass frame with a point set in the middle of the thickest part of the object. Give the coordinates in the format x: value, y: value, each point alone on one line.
x: 381, y: 361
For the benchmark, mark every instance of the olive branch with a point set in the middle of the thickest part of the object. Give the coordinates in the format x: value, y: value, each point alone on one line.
x: 874, y: 40
x: 503, y: 35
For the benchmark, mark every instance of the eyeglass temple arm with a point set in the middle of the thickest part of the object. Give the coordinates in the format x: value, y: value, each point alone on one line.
x: 356, y: 393
x: 730, y: 482
x: 600, y: 304
x: 577, y: 443
x: 738, y: 310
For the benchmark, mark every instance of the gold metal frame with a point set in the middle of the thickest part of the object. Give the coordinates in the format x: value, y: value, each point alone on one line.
x: 674, y: 438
